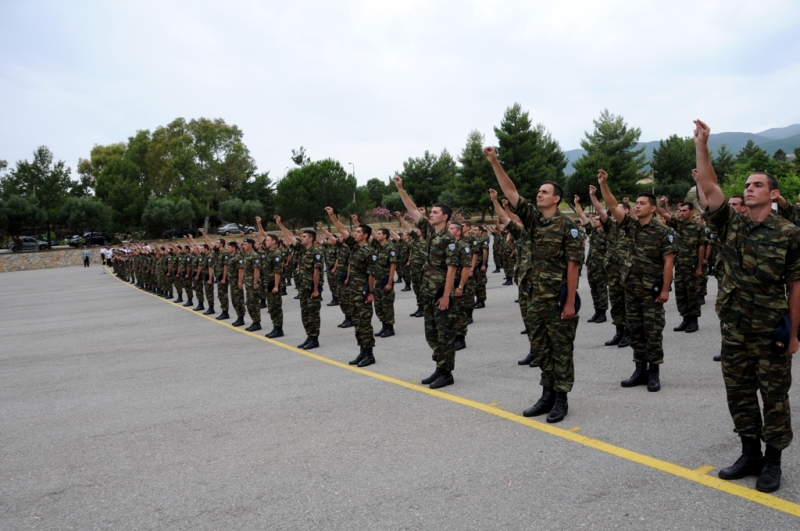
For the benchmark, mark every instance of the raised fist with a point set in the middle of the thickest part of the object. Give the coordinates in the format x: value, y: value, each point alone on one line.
x: 602, y: 176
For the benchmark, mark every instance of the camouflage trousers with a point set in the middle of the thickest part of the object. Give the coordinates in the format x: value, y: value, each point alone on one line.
x: 384, y: 305
x: 209, y: 292
x: 598, y: 284
x: 362, y: 318
x: 416, y: 281
x: 525, y: 299
x: 480, y: 285
x: 345, y: 300
x: 464, y: 304
x: 616, y: 294
x: 178, y: 280
x: 704, y: 284
x: 333, y: 285
x: 252, y: 301
x: 440, y: 333
x: 169, y: 283
x: 687, y: 291
x: 237, y: 299
x: 222, y: 296
x: 508, y: 267
x: 553, y: 341
x: 749, y: 367
x: 275, y: 308
x: 644, y: 318
x: 309, y: 312
x: 197, y: 284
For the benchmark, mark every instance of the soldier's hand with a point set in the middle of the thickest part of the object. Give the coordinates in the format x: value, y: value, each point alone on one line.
x: 315, y: 294
x: 240, y: 286
x: 493, y: 194
x: 274, y: 290
x: 329, y: 210
x: 277, y: 218
x: 490, y: 153
x: 577, y: 199
x: 258, y: 219
x: 200, y: 230
x: 794, y: 344
x: 592, y: 190
x: 701, y: 132
x: 444, y: 303
x: 602, y: 176
x: 398, y: 182
x: 319, y: 225
x: 694, y: 174
x: 397, y: 214
x: 663, y: 297
x: 568, y: 312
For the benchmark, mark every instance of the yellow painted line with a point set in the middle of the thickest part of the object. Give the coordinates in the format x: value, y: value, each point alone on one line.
x: 492, y: 404
x: 704, y: 469
x: 699, y: 475
x: 575, y: 429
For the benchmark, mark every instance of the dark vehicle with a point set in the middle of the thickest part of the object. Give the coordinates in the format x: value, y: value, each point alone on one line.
x: 179, y: 233
x: 233, y: 228
x: 96, y: 238
x: 29, y: 243
x: 76, y: 241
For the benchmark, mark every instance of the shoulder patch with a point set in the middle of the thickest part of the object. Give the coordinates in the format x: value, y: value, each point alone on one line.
x: 671, y: 238
x: 466, y: 250
x: 277, y: 258
x: 392, y: 253
x: 257, y: 261
x: 317, y: 256
x: 374, y: 257
x: 452, y: 247
x: 574, y: 232
x: 240, y: 261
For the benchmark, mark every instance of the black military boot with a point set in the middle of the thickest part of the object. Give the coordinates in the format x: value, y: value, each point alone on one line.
x: 347, y: 323
x: 283, y: 292
x: 527, y: 359
x: 407, y: 287
x: 750, y: 463
x: 304, y: 343
x: 469, y: 317
x: 681, y: 327
x: 255, y: 327
x: 389, y: 332
x: 702, y: 301
x: 601, y: 317
x: 534, y: 363
x: 593, y: 318
x: 224, y: 315
x: 199, y: 307
x: 625, y: 340
x: 560, y: 408
x: 381, y: 331
x: 461, y: 343
x: 313, y: 342
x: 508, y: 281
x: 445, y: 378
x: 617, y: 336
x: 179, y: 299
x: 369, y: 358
x: 189, y: 302
x: 358, y: 358
x: 238, y: 322
x: 692, y: 326
x: 479, y: 305
x: 210, y: 311
x: 639, y: 376
x: 276, y: 331
x: 718, y: 357
x: 418, y: 313
x: 496, y: 270
x: 334, y: 302
x: 653, y: 381
x: 297, y: 296
x: 263, y: 303
x: 432, y: 378
x: 770, y: 478
x: 544, y: 405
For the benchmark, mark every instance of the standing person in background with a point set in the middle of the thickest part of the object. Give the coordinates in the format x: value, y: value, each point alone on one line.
x: 385, y: 262
x: 85, y: 256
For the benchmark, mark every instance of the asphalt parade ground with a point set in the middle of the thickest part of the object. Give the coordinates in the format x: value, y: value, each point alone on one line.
x: 121, y: 410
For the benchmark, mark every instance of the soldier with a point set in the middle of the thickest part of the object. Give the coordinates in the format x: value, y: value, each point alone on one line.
x: 249, y: 277
x: 308, y: 280
x: 208, y: 284
x: 416, y: 262
x: 220, y: 273
x: 464, y: 302
x: 691, y: 244
x: 481, y: 244
x: 197, y: 277
x: 556, y: 254
x: 438, y: 282
x: 273, y: 269
x: 646, y: 277
x: 385, y: 261
x: 403, y: 256
x: 236, y: 279
x: 761, y: 253
x: 361, y: 286
x: 595, y: 263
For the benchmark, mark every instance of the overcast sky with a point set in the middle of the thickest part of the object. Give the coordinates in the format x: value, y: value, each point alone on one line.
x: 374, y: 83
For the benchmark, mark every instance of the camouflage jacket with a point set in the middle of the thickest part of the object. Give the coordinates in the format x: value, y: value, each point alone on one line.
x: 361, y: 263
x: 690, y: 236
x: 384, y: 257
x: 647, y: 246
x: 597, y: 245
x: 440, y: 248
x: 307, y: 260
x: 523, y: 270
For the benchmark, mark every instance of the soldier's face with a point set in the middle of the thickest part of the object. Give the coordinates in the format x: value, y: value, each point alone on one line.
x: 757, y: 192
x: 546, y: 197
x: 684, y: 213
x: 735, y: 203
x: 306, y: 239
x: 360, y: 235
x: 437, y: 216
x: 643, y: 207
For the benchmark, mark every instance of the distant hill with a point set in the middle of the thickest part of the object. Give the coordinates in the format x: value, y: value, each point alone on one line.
x: 771, y: 140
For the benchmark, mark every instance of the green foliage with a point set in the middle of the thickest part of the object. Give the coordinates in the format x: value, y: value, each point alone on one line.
x: 376, y: 190
x: 779, y: 155
x: 360, y: 206
x: 305, y: 192
x: 749, y: 151
x: 81, y: 214
x: 299, y: 157
x: 723, y: 163
x: 529, y: 155
x: 259, y: 188
x: 449, y: 197
x: 161, y: 214
x: 426, y: 177
x: 242, y: 213
x: 672, y: 164
x: 475, y: 176
x: 393, y: 202
x: 612, y: 147
x: 19, y: 213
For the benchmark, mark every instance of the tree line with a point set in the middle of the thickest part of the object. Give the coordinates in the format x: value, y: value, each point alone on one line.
x: 201, y: 172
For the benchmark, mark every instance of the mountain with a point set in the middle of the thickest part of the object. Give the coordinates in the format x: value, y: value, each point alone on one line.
x: 771, y: 140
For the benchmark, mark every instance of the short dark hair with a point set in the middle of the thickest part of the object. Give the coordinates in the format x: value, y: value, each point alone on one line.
x: 384, y: 231
x: 459, y: 225
x: 205, y: 246
x: 687, y: 204
x: 557, y: 190
x: 446, y: 210
x: 233, y: 244
x: 625, y: 205
x: 274, y: 238
x: 366, y: 229
x: 650, y: 197
x: 772, y: 183
x: 311, y: 233
x: 222, y: 241
x: 738, y: 196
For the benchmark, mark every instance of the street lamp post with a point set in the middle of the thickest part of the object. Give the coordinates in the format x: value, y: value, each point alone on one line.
x: 354, y: 176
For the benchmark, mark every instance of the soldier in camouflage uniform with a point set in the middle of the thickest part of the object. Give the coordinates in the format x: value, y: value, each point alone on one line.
x: 556, y: 254
x: 208, y: 278
x: 651, y: 248
x: 418, y: 254
x: 438, y: 282
x: 761, y: 253
x: 403, y: 256
x: 197, y: 277
x: 236, y: 279
x: 329, y: 251
x: 691, y: 239
x: 598, y: 284
x: 273, y: 269
x: 251, y: 274
x: 462, y: 294
x: 510, y: 259
x: 308, y: 280
x: 384, y: 257
x: 480, y: 244
x: 221, y: 262
x: 497, y: 243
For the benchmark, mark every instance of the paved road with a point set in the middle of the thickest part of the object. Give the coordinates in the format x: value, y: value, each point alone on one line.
x: 121, y: 410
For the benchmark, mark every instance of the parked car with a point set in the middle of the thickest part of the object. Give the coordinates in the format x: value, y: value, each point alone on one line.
x: 29, y: 243
x: 76, y: 241
x: 96, y: 238
x: 233, y: 228
x: 179, y: 233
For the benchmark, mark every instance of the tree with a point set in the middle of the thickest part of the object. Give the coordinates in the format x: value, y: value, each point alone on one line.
x: 749, y: 151
x: 299, y: 157
x: 529, y: 155
x: 672, y: 164
x: 120, y: 183
x: 360, y: 205
x: 426, y: 177
x: 82, y: 214
x: 723, y: 163
x: 18, y: 213
x: 305, y: 192
x: 393, y: 202
x: 779, y: 155
x: 474, y: 176
x: 376, y: 189
x: 259, y: 188
x: 242, y: 213
x: 161, y: 214
x: 612, y: 147
x: 45, y: 182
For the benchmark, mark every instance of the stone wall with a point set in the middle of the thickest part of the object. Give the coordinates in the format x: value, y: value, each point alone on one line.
x: 25, y: 261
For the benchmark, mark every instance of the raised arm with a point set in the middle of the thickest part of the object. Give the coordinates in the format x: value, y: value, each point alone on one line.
x: 407, y: 202
x: 321, y: 228
x: 506, y: 185
x: 706, y: 177
x: 608, y: 197
x: 290, y: 238
x: 336, y: 223
x: 664, y: 213
x: 579, y: 209
x: 406, y: 225
x: 206, y: 239
x: 598, y: 206
x: 261, y: 232
x: 501, y: 214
